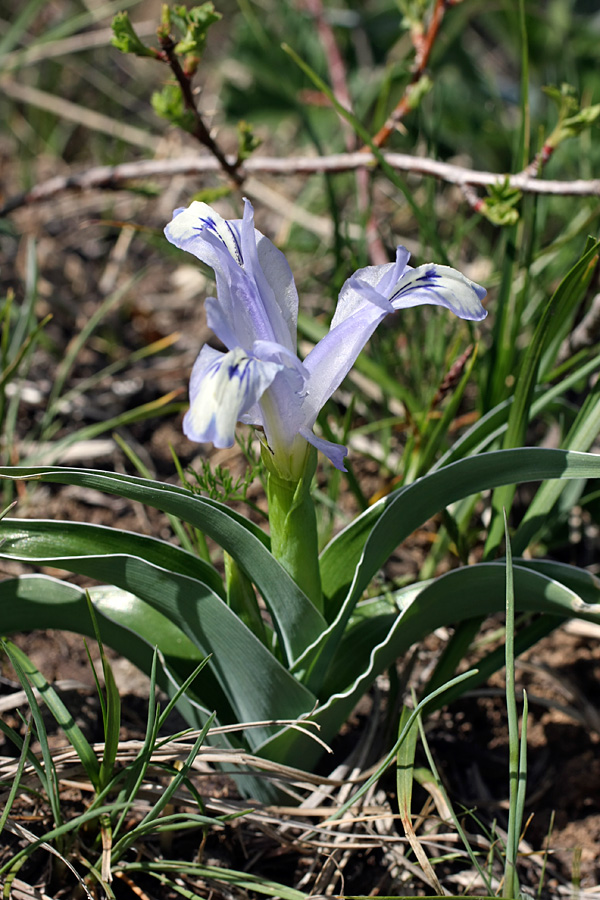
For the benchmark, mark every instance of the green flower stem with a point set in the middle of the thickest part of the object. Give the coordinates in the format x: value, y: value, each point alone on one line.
x: 293, y: 525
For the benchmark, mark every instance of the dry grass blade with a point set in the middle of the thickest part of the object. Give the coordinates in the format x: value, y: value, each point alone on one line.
x: 20, y: 890
x: 76, y: 43
x: 73, y: 112
x: 22, y: 832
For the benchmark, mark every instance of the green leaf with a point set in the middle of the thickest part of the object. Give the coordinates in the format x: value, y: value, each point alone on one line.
x: 111, y: 707
x: 126, y: 624
x: 363, y: 547
x: 560, y: 307
x: 500, y: 206
x: 473, y: 591
x: 125, y: 39
x: 581, y: 436
x: 295, y: 618
x: 36, y: 538
x: 440, y: 429
x: 169, y: 104
x: 58, y: 709
x: 494, y: 423
x: 572, y: 118
x: 255, y: 683
x: 195, y: 23
x: 405, y: 767
x: 248, y: 142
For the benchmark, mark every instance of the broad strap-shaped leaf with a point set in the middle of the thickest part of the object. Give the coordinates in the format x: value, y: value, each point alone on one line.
x: 132, y: 628
x: 397, y: 516
x: 255, y: 683
x: 295, y: 619
x: 35, y: 539
x: 477, y: 590
x: 127, y: 624
x: 580, y: 581
x: 389, y: 521
x: 348, y: 544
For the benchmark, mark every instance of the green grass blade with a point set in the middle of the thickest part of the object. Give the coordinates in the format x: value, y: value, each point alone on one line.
x: 456, y: 821
x: 405, y: 763
x: 63, y: 717
x: 494, y: 423
x: 244, y: 881
x: 16, y: 785
x: 162, y: 406
x: 559, y: 307
x: 177, y: 526
x: 136, y: 772
x: 440, y: 430
x: 57, y: 833
x: 581, y: 436
x: 405, y: 731
x: 165, y: 797
x: 15, y: 32
x: 50, y: 779
x: 75, y: 346
x: 111, y: 708
x: 511, y: 882
x: 12, y: 368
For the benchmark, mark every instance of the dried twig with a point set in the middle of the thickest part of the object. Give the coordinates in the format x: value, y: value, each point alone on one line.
x: 200, y: 131
x: 117, y: 177
x: 423, y: 44
x: 339, y: 81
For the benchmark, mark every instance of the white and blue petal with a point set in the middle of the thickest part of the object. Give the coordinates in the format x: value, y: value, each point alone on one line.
x: 331, y: 359
x: 223, y: 388
x: 261, y: 381
x: 373, y: 284
x: 200, y: 230
x: 336, y: 453
x: 439, y: 286
x: 255, y: 287
x: 274, y: 282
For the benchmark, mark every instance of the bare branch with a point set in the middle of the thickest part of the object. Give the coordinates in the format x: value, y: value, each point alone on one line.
x: 117, y: 177
x: 200, y: 131
x: 423, y: 44
x: 339, y: 81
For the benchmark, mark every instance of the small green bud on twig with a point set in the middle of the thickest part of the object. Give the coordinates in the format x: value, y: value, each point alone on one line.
x: 500, y: 206
x: 125, y: 39
x: 194, y: 23
x: 169, y: 104
x: 248, y: 142
x: 572, y: 118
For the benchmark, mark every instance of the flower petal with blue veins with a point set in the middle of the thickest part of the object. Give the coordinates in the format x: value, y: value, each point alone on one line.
x: 223, y: 387
x: 440, y: 286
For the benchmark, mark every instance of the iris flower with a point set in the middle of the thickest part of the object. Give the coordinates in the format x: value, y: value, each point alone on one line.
x: 260, y: 380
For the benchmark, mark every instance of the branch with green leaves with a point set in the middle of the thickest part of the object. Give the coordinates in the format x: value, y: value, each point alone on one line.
x: 176, y: 102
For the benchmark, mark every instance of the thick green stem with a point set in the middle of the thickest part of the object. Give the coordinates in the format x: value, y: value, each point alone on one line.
x: 293, y: 526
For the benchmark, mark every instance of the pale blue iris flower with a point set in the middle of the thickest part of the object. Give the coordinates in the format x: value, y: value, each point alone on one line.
x: 260, y: 380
